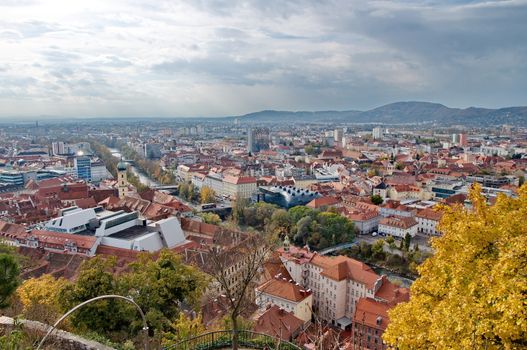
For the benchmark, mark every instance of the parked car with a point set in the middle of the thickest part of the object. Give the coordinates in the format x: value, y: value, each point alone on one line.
x: 374, y: 234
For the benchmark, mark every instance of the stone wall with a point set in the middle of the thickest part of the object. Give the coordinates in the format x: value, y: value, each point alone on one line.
x: 60, y: 339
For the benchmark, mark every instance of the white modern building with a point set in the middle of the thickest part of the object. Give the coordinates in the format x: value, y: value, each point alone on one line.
x: 119, y: 229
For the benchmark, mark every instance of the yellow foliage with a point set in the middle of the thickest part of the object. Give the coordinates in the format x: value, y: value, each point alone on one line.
x: 183, y: 328
x: 207, y: 195
x: 472, y: 294
x: 42, y: 290
x: 39, y: 297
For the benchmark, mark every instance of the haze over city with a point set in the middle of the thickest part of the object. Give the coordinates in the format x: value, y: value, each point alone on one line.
x: 219, y: 58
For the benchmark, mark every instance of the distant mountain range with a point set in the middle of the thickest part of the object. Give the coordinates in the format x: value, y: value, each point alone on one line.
x: 401, y: 113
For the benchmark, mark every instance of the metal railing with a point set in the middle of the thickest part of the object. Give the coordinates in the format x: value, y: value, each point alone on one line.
x: 223, y: 339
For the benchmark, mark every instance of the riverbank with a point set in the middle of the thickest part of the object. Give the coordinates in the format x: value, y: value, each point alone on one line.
x: 143, y: 178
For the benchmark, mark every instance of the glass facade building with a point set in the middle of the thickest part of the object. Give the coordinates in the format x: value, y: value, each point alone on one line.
x: 83, y: 166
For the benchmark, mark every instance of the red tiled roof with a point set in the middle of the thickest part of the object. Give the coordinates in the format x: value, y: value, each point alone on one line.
x: 283, y: 288
x: 342, y: 267
x: 278, y: 323
x: 238, y: 180
x: 430, y: 214
x: 371, y: 313
x: 398, y: 221
x: 391, y: 293
x: 86, y: 242
x: 322, y: 201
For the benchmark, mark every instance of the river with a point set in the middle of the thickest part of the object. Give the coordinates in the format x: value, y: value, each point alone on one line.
x: 405, y: 282
x: 143, y: 178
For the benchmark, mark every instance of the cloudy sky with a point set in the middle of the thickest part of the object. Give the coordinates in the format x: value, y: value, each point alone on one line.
x: 226, y: 57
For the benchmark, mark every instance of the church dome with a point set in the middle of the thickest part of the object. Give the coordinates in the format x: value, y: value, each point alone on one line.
x: 122, y: 166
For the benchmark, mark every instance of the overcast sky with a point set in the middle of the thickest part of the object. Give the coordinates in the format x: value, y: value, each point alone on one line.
x: 225, y: 57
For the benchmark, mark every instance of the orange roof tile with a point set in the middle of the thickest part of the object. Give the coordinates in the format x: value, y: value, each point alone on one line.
x: 283, y: 288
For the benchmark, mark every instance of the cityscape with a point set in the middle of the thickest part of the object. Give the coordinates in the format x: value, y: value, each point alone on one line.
x: 377, y: 223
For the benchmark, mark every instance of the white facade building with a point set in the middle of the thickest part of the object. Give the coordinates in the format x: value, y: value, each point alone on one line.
x: 398, y: 226
x: 337, y: 283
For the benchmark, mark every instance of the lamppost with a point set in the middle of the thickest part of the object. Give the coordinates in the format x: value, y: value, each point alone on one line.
x: 111, y: 296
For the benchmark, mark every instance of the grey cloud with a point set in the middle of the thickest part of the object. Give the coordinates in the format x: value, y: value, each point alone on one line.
x: 59, y: 56
x: 319, y: 54
x: 219, y: 68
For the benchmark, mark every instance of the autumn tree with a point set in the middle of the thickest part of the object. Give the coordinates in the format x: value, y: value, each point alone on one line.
x: 40, y: 298
x: 183, y: 328
x: 207, y: 195
x: 471, y: 293
x: 235, y: 272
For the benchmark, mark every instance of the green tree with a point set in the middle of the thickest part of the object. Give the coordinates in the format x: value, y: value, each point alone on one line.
x: 211, y: 218
x: 264, y: 211
x: 9, y: 277
x: 280, y: 223
x: 309, y: 149
x: 335, y: 229
x: 303, y: 228
x: 376, y: 199
x: 407, y: 241
x: 238, y: 207
x: 183, y: 190
x: 159, y: 286
x: 299, y: 212
x: 471, y: 292
x: 377, y: 249
x: 105, y: 316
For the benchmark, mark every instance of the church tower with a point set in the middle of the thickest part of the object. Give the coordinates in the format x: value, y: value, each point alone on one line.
x: 122, y: 181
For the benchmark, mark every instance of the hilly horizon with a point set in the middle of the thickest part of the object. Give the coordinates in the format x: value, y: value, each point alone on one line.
x: 400, y: 113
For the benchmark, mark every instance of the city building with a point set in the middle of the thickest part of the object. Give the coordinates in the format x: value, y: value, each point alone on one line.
x: 122, y: 179
x: 365, y: 221
x: 336, y: 283
x: 257, y: 139
x: 369, y: 323
x: 286, y: 196
x: 287, y: 294
x: 377, y: 133
x: 427, y: 221
x: 58, y: 148
x: 463, y: 140
x: 99, y: 171
x: 237, y: 187
x: 118, y: 229
x: 338, y: 134
x: 398, y: 226
x: 82, y: 165
x: 153, y: 150
x: 279, y: 323
x: 12, y: 177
